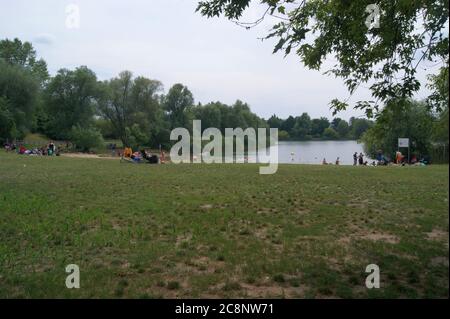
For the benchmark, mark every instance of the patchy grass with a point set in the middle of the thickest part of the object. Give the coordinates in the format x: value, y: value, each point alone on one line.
x: 176, y: 231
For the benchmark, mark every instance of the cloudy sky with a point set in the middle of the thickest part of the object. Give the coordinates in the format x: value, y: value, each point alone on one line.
x: 168, y: 41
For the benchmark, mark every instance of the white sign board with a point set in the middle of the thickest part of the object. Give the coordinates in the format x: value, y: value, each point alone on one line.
x: 403, y: 142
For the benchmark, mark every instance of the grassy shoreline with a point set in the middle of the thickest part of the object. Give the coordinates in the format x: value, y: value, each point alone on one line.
x: 165, y: 231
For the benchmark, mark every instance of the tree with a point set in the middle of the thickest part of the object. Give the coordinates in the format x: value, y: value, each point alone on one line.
x: 440, y: 129
x: 18, y: 98
x: 7, y: 124
x: 413, y: 120
x: 358, y: 126
x: 335, y: 122
x: 175, y: 103
x: 302, y: 127
x: 439, y: 100
x: 288, y: 124
x: 438, y: 83
x: 275, y: 122
x: 132, y: 105
x: 318, y: 126
x: 70, y: 100
x: 210, y: 115
x: 223, y: 116
x: 385, y: 56
x: 330, y: 134
x: 22, y: 78
x: 23, y: 55
x: 342, y: 129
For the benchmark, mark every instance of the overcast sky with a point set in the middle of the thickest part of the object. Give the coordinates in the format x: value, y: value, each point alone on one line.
x: 166, y: 40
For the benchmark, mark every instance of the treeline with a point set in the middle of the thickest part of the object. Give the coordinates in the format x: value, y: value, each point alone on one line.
x: 75, y: 105
x: 304, y: 128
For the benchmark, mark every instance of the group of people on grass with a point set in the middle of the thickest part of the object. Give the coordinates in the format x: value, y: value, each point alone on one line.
x: 337, y: 162
x: 48, y: 150
x: 357, y: 159
x: 381, y: 160
x: 142, y: 157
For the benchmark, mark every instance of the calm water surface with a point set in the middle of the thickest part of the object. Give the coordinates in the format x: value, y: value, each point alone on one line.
x: 313, y: 152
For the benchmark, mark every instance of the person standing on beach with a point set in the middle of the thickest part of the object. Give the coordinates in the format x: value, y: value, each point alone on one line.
x: 361, y: 159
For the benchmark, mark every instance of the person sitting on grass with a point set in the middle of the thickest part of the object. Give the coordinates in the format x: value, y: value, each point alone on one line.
x: 22, y: 149
x: 151, y: 159
x: 324, y: 162
x: 136, y: 156
x: 145, y: 155
x: 127, y: 152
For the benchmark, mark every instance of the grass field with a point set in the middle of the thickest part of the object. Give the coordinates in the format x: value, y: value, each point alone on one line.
x: 176, y: 231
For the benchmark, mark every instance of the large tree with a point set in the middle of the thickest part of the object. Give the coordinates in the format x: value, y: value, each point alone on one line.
x: 385, y: 56
x: 22, y: 77
x: 22, y: 54
x: 177, y: 100
x: 318, y: 126
x: 70, y: 100
x: 302, y: 127
x: 132, y: 105
x: 18, y: 98
x: 413, y: 120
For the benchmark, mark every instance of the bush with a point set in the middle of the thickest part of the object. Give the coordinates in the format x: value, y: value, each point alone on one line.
x: 86, y: 138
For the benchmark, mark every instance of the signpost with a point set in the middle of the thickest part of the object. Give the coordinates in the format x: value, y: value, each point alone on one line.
x: 404, y: 142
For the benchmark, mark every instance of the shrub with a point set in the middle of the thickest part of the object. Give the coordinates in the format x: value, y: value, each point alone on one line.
x: 86, y: 138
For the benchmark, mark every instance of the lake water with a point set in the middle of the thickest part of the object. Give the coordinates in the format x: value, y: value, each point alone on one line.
x: 313, y: 152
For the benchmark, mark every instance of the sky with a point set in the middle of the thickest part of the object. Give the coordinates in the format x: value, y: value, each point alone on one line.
x: 168, y: 41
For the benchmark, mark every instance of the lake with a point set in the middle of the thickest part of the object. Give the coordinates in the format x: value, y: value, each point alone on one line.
x: 313, y: 152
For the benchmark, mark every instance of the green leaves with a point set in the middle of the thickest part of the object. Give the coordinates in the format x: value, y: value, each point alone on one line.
x: 409, y: 32
x: 69, y: 101
x: 279, y: 45
x: 401, y: 118
x: 19, y: 96
x: 132, y: 105
x: 86, y: 138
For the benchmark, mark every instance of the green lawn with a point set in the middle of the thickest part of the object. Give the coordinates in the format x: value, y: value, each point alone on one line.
x: 142, y: 231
